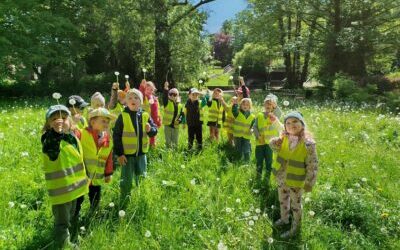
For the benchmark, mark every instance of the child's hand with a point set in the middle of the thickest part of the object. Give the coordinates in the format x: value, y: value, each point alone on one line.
x: 122, y: 160
x: 307, y: 188
x: 166, y: 85
x: 108, y: 179
x: 148, y: 127
x: 234, y: 100
x: 115, y: 86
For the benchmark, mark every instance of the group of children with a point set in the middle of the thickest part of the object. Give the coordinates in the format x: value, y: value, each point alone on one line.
x: 82, y: 143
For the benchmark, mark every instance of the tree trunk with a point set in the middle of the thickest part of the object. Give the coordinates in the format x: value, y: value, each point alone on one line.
x: 310, y: 43
x: 296, y: 58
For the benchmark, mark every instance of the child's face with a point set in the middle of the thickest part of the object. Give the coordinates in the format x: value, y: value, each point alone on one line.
x: 133, y: 102
x: 100, y: 123
x: 216, y: 94
x: 269, y: 106
x: 194, y: 97
x: 60, y: 123
x: 149, y: 90
x: 293, y: 126
x: 245, y: 106
x: 173, y: 96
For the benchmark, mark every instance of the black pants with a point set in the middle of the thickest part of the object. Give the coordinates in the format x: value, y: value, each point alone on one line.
x: 195, y: 131
x: 94, y: 199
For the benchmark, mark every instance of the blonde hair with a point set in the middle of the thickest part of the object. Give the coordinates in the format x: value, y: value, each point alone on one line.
x: 246, y: 100
x: 151, y: 84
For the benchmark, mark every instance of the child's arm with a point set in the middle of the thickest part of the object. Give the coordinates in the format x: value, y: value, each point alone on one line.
x: 114, y: 96
x: 151, y: 128
x: 276, y: 143
x: 311, y: 165
x: 235, y: 110
x: 51, y: 144
x: 109, y: 169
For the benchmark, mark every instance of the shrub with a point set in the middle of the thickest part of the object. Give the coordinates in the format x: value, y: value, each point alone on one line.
x: 344, y: 86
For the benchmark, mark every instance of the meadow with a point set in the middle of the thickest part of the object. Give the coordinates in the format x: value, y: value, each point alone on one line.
x: 206, y: 201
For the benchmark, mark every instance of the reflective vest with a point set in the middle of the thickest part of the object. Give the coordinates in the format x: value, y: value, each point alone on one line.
x: 146, y: 105
x: 201, y: 113
x: 229, y: 120
x: 215, y: 113
x: 82, y: 123
x: 295, y: 161
x: 95, y: 160
x: 265, y: 128
x: 169, y: 114
x: 129, y: 135
x: 66, y: 176
x: 242, y: 126
x: 117, y: 110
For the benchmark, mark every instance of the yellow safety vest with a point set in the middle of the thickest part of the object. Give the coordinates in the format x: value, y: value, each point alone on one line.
x: 229, y: 120
x: 242, y: 126
x: 215, y: 113
x: 146, y: 104
x: 169, y: 114
x: 295, y: 161
x: 117, y: 110
x: 201, y: 113
x: 95, y: 160
x: 66, y: 176
x: 130, y: 137
x: 265, y: 128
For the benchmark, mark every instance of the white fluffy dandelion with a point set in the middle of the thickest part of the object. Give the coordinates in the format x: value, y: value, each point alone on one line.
x: 311, y: 213
x: 24, y: 154
x: 111, y: 204
x: 116, y: 73
x: 56, y: 95
x: 201, y: 81
x: 307, y: 200
x: 258, y: 211
x: 193, y: 181
x: 126, y: 77
x: 251, y: 223
x: 11, y: 204
x: 364, y: 179
x: 144, y: 70
x: 23, y: 206
x: 222, y: 246
x: 228, y: 210
x: 72, y: 101
x: 82, y: 228
x: 286, y: 103
x: 238, y: 200
x: 147, y: 234
x: 121, y: 213
x: 231, y: 78
x: 246, y: 214
x: 270, y: 240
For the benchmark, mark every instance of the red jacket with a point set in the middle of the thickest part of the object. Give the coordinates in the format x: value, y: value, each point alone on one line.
x: 153, y: 107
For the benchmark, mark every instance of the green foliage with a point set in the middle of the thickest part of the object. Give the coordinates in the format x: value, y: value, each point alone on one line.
x: 253, y: 58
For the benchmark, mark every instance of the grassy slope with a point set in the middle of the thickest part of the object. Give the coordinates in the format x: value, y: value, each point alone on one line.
x: 350, y: 212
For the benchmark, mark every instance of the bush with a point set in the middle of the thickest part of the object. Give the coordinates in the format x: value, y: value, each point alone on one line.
x: 344, y: 86
x: 382, y: 83
x: 392, y: 100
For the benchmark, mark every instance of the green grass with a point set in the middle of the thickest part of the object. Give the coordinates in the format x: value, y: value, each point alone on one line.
x: 220, y: 80
x: 196, y: 201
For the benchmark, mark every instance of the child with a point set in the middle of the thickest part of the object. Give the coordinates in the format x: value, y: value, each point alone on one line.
x: 266, y: 126
x: 242, y: 91
x: 64, y: 171
x: 117, y: 100
x: 131, y: 141
x: 295, y: 169
x: 244, y: 121
x: 76, y: 110
x: 215, y: 113
x: 97, y: 154
x: 150, y: 105
x: 194, y: 118
x: 97, y: 101
x: 173, y: 115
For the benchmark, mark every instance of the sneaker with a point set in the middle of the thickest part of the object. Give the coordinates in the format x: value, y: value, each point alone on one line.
x: 280, y: 223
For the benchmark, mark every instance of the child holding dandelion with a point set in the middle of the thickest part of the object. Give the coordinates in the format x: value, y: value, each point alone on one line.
x: 194, y: 118
x: 150, y: 105
x: 76, y: 106
x: 295, y: 169
x: 242, y: 127
x: 266, y: 126
x: 131, y: 141
x: 97, y: 154
x: 64, y: 171
x: 215, y: 113
x: 173, y: 115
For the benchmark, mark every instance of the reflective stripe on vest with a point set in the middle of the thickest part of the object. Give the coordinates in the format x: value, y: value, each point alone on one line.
x: 265, y: 128
x: 129, y: 136
x: 66, y: 176
x: 242, y: 126
x: 294, y: 161
x: 215, y: 113
x: 95, y: 160
x: 169, y: 114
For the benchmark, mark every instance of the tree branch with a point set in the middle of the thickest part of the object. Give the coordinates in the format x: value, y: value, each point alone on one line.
x: 194, y: 7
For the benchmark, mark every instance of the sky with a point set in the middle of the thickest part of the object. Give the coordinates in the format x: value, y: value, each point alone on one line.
x: 221, y: 10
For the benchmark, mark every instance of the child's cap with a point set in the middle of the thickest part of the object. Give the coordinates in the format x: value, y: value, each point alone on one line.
x: 194, y: 91
x: 56, y: 108
x: 295, y: 114
x: 97, y: 100
x: 79, y: 102
x: 137, y: 93
x: 101, y: 112
x: 272, y: 98
x: 121, y: 94
x: 218, y: 90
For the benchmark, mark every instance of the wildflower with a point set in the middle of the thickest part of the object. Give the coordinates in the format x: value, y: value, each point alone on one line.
x: 228, y: 210
x: 270, y: 240
x: 193, y: 181
x: 121, y: 213
x: 357, y: 185
x: 231, y: 78
x: 126, y: 77
x: 11, y: 204
x: 183, y: 166
x: 307, y: 200
x: 218, y: 179
x: 256, y: 191
x: 258, y: 210
x: 221, y: 246
x: 116, y: 73
x: 24, y: 154
x: 111, y: 204
x: 82, y: 228
x: 72, y: 101
x: 350, y: 190
x: 311, y: 213
x: 144, y: 70
x: 272, y: 207
x: 147, y: 234
x: 56, y: 95
x: 200, y: 81
x: 255, y: 217
x: 286, y: 103
x: 364, y: 179
x: 251, y: 223
x: 237, y: 200
x: 164, y: 208
x: 246, y: 214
